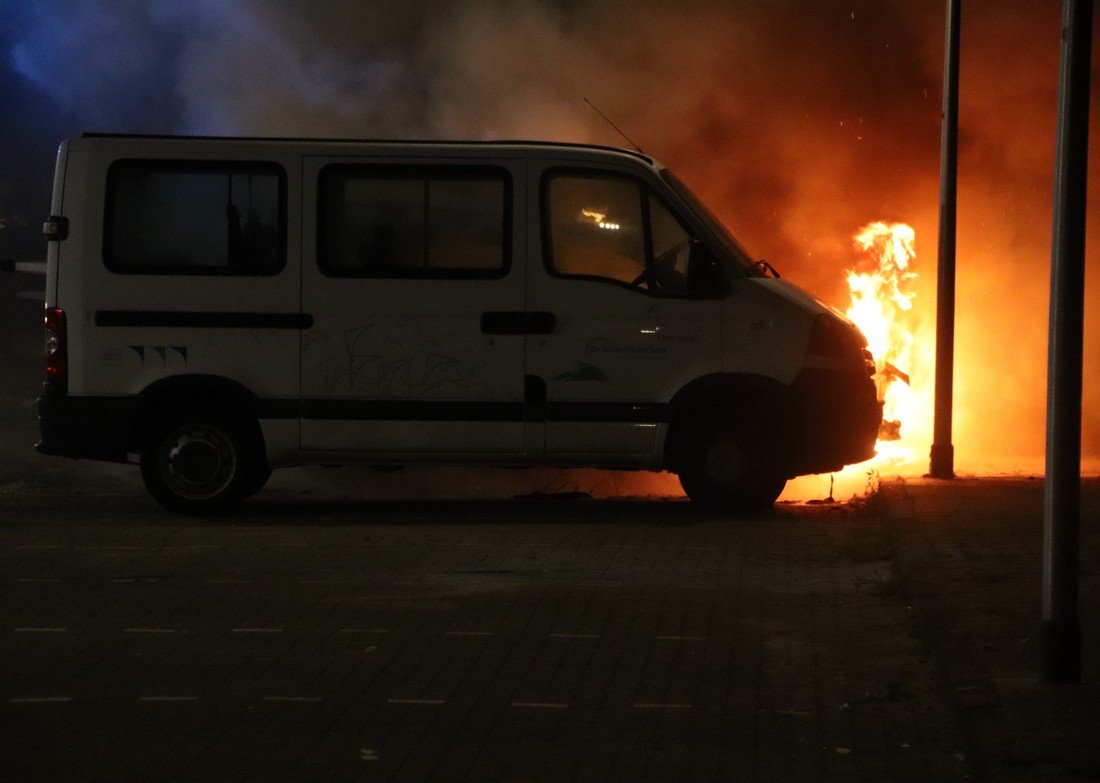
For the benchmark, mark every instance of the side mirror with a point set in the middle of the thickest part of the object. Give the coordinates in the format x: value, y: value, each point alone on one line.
x: 704, y: 272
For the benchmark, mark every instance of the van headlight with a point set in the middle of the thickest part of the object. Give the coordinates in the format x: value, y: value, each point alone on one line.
x: 832, y: 338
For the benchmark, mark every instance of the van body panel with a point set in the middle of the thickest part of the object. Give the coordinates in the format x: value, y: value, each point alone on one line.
x: 761, y: 326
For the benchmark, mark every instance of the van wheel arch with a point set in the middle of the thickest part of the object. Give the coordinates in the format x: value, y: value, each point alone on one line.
x: 758, y: 400
x: 206, y: 392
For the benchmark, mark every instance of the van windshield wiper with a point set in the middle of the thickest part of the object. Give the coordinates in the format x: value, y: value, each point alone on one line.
x: 765, y: 268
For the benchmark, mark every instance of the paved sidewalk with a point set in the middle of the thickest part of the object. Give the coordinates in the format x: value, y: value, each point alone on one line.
x: 313, y: 636
x: 968, y: 555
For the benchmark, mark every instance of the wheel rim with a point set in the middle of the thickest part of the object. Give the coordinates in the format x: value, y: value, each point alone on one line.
x: 198, y: 462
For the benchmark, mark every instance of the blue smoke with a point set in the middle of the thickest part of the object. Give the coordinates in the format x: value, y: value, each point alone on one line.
x: 203, y: 66
x: 110, y: 66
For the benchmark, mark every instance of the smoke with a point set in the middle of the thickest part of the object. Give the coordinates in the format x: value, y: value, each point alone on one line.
x: 99, y: 61
x: 1008, y: 96
x: 798, y: 123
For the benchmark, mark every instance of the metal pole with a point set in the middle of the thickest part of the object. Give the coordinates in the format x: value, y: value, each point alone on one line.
x: 943, y: 452
x: 1061, y: 629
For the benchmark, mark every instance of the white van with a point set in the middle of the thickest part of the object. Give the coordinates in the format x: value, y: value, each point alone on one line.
x: 219, y: 307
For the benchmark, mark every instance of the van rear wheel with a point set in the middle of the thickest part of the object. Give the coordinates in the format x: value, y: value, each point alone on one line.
x: 728, y: 471
x: 199, y: 463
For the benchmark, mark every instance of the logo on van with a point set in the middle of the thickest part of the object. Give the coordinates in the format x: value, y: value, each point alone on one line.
x: 605, y: 346
x: 159, y: 350
x: 583, y: 372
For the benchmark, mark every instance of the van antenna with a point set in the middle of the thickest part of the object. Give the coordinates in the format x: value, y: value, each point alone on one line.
x: 618, y: 130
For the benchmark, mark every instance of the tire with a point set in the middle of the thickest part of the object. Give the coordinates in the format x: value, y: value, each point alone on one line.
x: 260, y: 474
x: 200, y: 463
x: 728, y: 471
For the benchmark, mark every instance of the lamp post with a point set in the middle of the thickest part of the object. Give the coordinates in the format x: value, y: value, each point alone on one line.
x: 1061, y: 630
x: 943, y: 452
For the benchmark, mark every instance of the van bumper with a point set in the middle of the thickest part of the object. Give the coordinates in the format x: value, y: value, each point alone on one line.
x: 86, y: 427
x: 834, y: 420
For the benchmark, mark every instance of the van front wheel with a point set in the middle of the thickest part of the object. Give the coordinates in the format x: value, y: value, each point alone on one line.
x: 729, y: 472
x: 198, y: 464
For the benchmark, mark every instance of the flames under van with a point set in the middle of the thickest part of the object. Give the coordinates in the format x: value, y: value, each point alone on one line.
x: 216, y: 308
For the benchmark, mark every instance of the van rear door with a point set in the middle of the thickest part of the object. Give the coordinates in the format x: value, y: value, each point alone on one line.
x: 413, y: 273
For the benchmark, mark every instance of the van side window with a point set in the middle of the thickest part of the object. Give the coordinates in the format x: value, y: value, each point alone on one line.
x: 671, y: 247
x: 596, y: 227
x: 195, y: 218
x: 614, y: 228
x: 384, y: 221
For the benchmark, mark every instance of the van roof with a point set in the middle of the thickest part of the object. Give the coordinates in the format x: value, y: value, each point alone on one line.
x: 394, y: 142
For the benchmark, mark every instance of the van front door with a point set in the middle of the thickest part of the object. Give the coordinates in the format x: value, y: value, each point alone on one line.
x: 631, y: 326
x: 412, y: 274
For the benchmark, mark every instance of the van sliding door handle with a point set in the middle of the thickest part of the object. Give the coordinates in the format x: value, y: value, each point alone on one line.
x: 539, y: 322
x: 517, y: 322
x: 503, y: 322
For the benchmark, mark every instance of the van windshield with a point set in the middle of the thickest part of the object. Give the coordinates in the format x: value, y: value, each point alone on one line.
x: 734, y: 251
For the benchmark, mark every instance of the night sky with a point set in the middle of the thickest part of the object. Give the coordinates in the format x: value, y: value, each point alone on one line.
x: 797, y: 122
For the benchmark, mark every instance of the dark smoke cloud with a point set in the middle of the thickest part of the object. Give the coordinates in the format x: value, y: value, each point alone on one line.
x: 797, y: 122
x: 768, y: 107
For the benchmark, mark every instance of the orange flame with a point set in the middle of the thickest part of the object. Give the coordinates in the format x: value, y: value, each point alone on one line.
x: 881, y: 287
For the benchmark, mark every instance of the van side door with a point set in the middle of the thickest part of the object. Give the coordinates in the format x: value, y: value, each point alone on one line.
x: 412, y: 270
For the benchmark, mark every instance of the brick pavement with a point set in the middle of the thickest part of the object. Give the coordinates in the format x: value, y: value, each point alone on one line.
x: 969, y: 554
x: 313, y: 639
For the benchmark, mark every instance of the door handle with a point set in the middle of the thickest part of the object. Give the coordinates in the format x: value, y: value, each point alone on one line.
x: 517, y: 322
x: 539, y: 322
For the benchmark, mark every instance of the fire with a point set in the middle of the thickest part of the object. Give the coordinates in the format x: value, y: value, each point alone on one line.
x: 881, y: 287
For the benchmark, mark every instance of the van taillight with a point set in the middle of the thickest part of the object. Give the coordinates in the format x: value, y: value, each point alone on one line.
x: 57, y: 350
